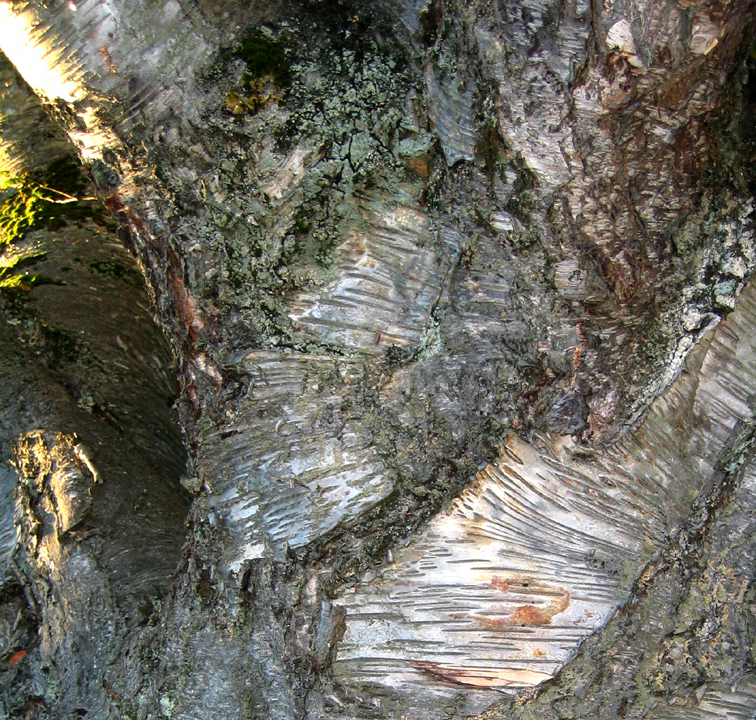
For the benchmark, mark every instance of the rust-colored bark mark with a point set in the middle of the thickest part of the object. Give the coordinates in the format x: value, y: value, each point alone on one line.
x: 577, y: 358
x: 437, y: 671
x: 420, y: 165
x: 689, y: 146
x: 530, y: 615
x: 621, y: 80
x: 186, y: 306
x: 18, y: 655
x: 601, y: 410
x: 195, y: 320
x: 107, y: 60
x: 495, y: 623
x: 618, y: 266
x: 500, y: 583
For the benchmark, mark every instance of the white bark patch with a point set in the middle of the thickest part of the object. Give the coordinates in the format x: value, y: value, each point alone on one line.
x: 498, y: 593
x: 451, y: 110
x: 206, y: 366
x: 389, y: 277
x: 620, y: 37
x: 289, y: 173
x: 251, y: 551
x: 59, y: 470
x: 538, y: 135
x: 54, y: 75
x: 570, y: 279
x: 36, y: 62
x: 291, y: 464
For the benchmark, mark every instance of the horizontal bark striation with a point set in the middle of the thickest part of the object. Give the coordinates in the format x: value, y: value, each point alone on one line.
x: 683, y: 644
x: 317, y: 216
x: 388, y: 280
x: 543, y: 547
x: 295, y: 462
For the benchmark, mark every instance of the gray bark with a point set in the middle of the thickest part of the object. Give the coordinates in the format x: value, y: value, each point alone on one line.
x: 430, y: 274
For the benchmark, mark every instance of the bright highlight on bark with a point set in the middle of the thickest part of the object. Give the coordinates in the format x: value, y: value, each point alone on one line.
x: 38, y: 65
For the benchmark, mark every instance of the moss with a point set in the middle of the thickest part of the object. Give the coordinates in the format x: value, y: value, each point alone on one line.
x: 42, y: 199
x: 23, y: 260
x: 261, y: 93
x: 267, y: 73
x: 25, y: 208
x: 264, y: 58
x: 26, y: 282
x: 48, y: 199
x: 11, y: 280
x: 114, y: 269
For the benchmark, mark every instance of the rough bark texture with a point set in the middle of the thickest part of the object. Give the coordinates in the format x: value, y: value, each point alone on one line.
x: 430, y: 273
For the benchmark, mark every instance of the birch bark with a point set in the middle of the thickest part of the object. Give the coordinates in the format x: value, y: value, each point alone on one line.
x: 442, y: 283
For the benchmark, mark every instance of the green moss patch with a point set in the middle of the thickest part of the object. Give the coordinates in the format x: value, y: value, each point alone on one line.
x: 25, y: 208
x: 47, y: 199
x: 264, y: 58
x: 266, y: 76
x: 12, y: 280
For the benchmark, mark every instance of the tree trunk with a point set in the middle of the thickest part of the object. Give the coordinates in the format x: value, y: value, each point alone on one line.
x: 443, y: 284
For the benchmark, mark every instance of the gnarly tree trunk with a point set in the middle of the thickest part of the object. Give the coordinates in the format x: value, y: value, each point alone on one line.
x: 93, y: 513
x: 430, y: 273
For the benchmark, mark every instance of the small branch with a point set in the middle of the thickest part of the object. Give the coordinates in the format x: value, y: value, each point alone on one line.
x: 68, y: 198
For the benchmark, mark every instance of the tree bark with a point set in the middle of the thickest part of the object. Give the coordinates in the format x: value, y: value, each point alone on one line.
x: 443, y: 284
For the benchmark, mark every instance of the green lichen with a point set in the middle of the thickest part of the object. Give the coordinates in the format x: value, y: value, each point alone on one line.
x: 340, y: 92
x: 739, y: 450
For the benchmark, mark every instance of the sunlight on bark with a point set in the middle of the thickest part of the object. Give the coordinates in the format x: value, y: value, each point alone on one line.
x: 37, y: 64
x: 53, y: 77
